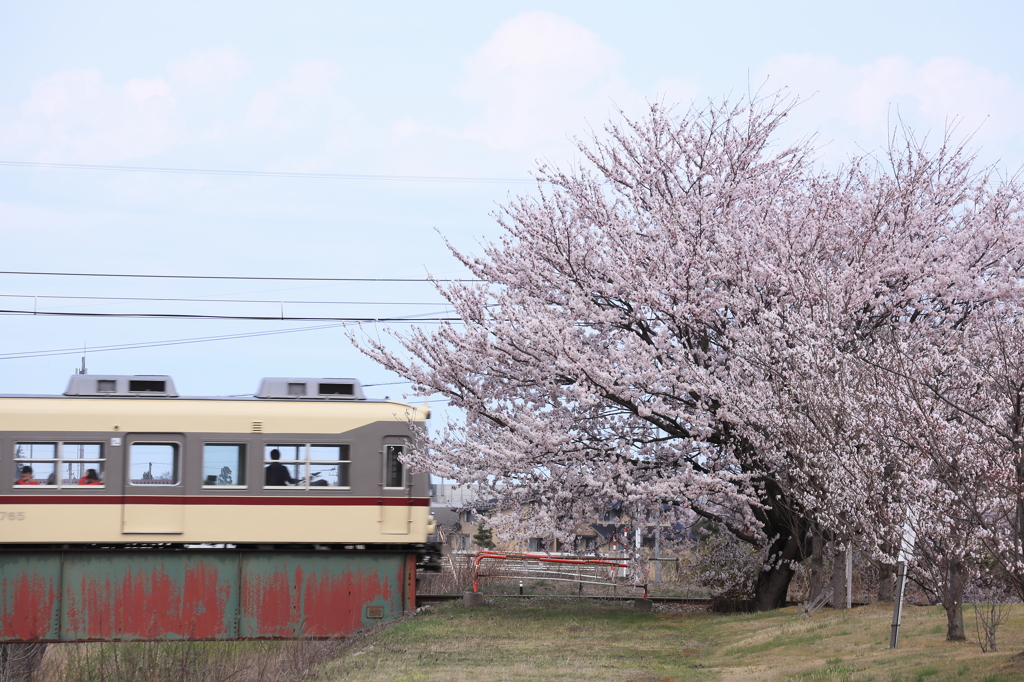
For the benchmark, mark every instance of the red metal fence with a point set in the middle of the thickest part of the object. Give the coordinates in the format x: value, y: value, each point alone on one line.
x: 520, y: 562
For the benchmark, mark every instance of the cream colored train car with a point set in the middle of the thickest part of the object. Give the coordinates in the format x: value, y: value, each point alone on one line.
x: 123, y: 460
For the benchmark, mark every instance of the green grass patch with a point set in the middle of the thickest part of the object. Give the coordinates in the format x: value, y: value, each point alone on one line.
x: 560, y: 639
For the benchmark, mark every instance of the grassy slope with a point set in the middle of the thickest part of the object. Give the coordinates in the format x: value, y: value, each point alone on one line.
x: 552, y: 640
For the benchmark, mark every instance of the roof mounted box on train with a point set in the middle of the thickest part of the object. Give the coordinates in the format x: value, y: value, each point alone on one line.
x: 311, y: 389
x: 121, y: 385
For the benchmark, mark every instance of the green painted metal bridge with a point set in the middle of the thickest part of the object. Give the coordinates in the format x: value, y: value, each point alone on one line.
x: 199, y: 594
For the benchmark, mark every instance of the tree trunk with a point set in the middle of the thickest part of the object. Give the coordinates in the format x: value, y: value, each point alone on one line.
x: 817, y: 582
x: 953, y: 602
x: 790, y: 532
x: 886, y: 577
x: 772, y: 584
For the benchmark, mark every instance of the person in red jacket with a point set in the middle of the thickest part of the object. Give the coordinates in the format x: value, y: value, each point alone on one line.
x: 26, y: 477
x: 90, y: 478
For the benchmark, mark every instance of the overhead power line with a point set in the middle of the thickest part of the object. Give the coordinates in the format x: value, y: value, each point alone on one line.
x: 268, y: 174
x: 229, y: 277
x: 282, y: 317
x: 215, y: 300
x: 154, y: 344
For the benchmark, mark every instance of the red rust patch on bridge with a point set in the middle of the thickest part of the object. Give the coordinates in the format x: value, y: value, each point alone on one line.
x: 304, y: 603
x: 29, y: 616
x: 150, y: 604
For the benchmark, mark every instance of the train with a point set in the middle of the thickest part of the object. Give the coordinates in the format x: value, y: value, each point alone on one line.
x: 119, y: 461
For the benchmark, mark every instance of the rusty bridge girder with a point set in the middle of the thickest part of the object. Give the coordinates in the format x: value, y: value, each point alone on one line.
x: 199, y: 594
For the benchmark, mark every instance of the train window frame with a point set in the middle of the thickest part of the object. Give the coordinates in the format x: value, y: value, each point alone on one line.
x: 307, y: 462
x: 58, y: 460
x: 387, y: 466
x: 243, y: 460
x: 178, y: 456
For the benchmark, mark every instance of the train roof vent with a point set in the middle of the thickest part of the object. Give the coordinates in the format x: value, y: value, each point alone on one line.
x: 121, y: 385
x: 311, y: 389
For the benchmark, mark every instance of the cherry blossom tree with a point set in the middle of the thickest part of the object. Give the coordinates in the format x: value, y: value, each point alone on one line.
x: 690, y: 321
x: 928, y: 243
x: 959, y: 399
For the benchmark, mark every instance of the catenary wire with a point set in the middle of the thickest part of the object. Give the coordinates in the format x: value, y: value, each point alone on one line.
x: 269, y: 174
x: 266, y: 318
x: 202, y: 339
x: 168, y: 342
x: 216, y: 300
x: 228, y: 277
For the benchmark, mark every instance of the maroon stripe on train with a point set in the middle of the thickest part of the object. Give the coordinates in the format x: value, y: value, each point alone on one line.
x: 218, y: 500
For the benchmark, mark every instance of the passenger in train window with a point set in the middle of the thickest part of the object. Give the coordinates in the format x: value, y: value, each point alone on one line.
x: 277, y: 473
x: 90, y: 478
x: 26, y: 477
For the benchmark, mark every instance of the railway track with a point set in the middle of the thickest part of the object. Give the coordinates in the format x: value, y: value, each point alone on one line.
x: 424, y: 599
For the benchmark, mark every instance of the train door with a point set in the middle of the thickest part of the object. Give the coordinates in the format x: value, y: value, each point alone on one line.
x: 395, y: 510
x: 154, y: 489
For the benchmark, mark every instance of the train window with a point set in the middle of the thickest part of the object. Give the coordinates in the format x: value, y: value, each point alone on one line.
x: 394, y: 471
x: 307, y: 465
x: 328, y: 465
x: 153, y: 463
x: 58, y: 464
x: 283, y: 467
x: 223, y: 464
x: 81, y: 464
x: 35, y: 451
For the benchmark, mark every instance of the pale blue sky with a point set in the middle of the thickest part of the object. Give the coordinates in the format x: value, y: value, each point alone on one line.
x: 465, y: 89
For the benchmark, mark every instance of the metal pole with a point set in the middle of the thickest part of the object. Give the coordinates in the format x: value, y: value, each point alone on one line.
x: 897, y: 607
x: 657, y: 554
x: 839, y: 585
x: 849, y: 575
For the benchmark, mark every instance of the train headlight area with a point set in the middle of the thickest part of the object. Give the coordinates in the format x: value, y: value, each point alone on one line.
x: 295, y: 495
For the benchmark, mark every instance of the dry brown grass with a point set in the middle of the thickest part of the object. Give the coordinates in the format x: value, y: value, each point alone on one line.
x: 187, y: 661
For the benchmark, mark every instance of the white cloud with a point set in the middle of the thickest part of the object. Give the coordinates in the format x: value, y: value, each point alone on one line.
x: 862, y: 102
x: 209, y: 68
x: 306, y: 114
x: 139, y: 90
x: 406, y: 128
x: 308, y: 95
x: 77, y: 116
x: 73, y: 115
x: 538, y: 78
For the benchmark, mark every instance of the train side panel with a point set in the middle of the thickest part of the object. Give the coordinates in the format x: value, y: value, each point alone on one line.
x: 31, y: 520
x: 190, y: 506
